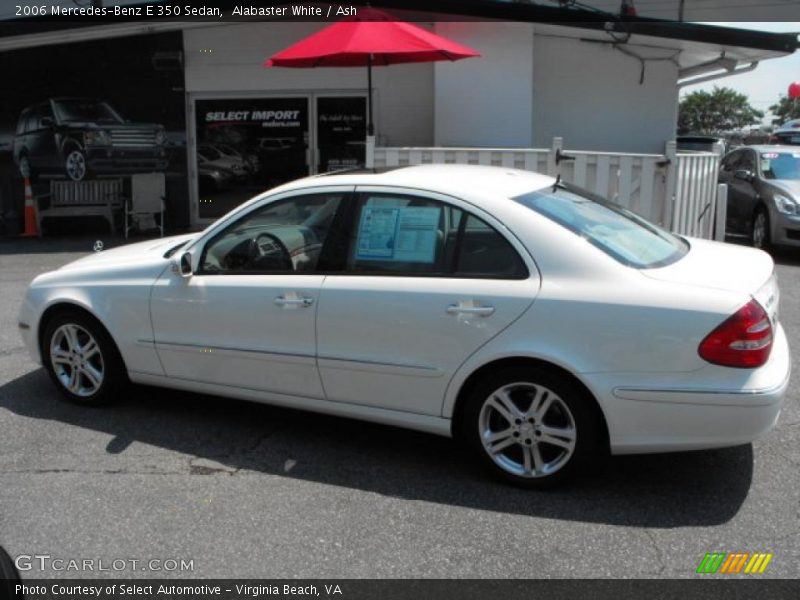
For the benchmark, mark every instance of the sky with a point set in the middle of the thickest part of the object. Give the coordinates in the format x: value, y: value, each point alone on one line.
x: 771, y: 78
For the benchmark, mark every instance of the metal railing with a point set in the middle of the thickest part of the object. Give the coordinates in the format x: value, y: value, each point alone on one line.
x: 677, y: 191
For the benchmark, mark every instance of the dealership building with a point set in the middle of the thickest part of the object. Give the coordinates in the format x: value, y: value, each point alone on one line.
x: 193, y: 99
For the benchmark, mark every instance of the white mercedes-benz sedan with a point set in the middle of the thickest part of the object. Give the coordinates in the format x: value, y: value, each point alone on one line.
x: 540, y: 324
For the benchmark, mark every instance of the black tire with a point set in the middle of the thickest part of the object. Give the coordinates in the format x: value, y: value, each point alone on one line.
x: 765, y: 242
x: 87, y: 389
x: 8, y: 576
x: 570, y: 410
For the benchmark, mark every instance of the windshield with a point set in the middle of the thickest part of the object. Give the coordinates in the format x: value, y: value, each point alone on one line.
x: 616, y: 231
x: 780, y: 165
x: 85, y: 110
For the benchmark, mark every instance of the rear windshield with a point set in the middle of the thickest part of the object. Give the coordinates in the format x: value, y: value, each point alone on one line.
x: 616, y: 231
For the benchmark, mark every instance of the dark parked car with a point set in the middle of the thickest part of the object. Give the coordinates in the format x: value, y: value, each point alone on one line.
x: 214, y: 178
x: 763, y: 194
x: 78, y: 137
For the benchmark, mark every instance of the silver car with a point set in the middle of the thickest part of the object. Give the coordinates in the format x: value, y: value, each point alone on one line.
x: 763, y: 194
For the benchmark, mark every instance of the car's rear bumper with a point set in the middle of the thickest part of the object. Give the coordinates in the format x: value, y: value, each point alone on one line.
x: 692, y: 415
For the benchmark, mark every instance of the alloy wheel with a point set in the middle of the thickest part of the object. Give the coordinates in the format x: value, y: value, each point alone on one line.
x: 527, y: 430
x: 76, y: 165
x: 77, y: 360
x: 25, y: 166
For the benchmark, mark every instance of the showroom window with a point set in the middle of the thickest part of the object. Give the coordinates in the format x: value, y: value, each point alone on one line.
x: 286, y: 236
x: 409, y: 235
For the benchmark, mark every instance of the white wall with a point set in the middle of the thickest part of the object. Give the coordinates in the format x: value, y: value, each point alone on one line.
x: 528, y: 87
x: 486, y: 101
x: 524, y: 89
x: 589, y: 94
x: 403, y: 93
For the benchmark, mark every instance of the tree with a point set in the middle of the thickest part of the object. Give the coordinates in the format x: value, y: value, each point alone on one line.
x: 785, y: 110
x: 718, y: 111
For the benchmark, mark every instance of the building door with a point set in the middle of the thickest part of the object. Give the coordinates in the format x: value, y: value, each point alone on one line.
x: 244, y: 146
x: 341, y: 132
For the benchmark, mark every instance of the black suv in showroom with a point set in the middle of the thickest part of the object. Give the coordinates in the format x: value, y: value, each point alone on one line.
x: 80, y: 137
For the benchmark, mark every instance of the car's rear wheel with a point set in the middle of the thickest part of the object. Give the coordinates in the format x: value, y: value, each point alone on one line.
x: 759, y: 231
x: 82, y: 359
x: 25, y: 168
x: 530, y: 426
x: 75, y: 164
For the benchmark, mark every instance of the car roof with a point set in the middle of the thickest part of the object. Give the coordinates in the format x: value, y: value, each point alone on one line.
x: 771, y: 148
x: 792, y: 125
x: 444, y: 178
x: 81, y: 98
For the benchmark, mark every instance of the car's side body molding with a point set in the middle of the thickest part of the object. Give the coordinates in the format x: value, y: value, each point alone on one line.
x: 425, y: 423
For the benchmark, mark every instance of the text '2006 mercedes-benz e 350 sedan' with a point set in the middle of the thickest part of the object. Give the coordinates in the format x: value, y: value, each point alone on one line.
x: 539, y: 324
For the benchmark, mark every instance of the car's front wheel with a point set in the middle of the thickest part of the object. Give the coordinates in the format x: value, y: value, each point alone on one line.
x: 530, y: 426
x: 82, y: 359
x: 75, y: 165
x: 760, y: 233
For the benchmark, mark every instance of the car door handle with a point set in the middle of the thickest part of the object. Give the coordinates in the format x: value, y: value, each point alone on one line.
x: 303, y: 301
x: 459, y: 309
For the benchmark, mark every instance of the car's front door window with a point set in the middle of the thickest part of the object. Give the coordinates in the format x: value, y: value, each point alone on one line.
x: 286, y: 236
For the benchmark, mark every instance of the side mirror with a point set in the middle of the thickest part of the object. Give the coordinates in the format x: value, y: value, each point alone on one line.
x: 183, y: 266
x: 186, y: 264
x: 744, y: 175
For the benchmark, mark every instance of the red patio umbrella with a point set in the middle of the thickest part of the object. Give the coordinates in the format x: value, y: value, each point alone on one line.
x: 371, y: 38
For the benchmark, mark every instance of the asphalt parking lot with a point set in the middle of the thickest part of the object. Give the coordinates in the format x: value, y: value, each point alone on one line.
x: 245, y: 490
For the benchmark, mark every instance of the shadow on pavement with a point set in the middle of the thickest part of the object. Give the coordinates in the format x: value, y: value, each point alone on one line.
x: 786, y: 256
x: 671, y: 490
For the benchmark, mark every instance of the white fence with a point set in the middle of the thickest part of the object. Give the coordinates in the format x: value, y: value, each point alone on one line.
x: 695, y: 201
x: 677, y: 191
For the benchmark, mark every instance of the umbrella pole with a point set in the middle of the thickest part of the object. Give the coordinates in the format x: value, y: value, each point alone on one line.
x: 370, y: 126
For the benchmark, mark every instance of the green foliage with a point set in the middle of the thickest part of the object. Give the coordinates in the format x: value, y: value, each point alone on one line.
x: 719, y: 111
x: 785, y: 110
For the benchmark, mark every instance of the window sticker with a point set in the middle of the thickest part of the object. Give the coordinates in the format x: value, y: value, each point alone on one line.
x: 404, y: 234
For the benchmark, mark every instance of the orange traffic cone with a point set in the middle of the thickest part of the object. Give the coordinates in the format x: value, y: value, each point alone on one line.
x: 30, y: 213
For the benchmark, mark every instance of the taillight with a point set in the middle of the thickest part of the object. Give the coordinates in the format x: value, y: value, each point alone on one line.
x: 743, y: 340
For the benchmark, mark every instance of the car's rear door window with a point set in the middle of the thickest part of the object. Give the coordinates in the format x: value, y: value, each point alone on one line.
x: 616, y: 231
x: 399, y: 234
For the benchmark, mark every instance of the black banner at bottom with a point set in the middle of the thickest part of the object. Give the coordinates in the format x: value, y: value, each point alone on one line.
x: 397, y: 589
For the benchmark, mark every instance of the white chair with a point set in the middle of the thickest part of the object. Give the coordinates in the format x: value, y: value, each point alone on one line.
x: 148, y: 192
